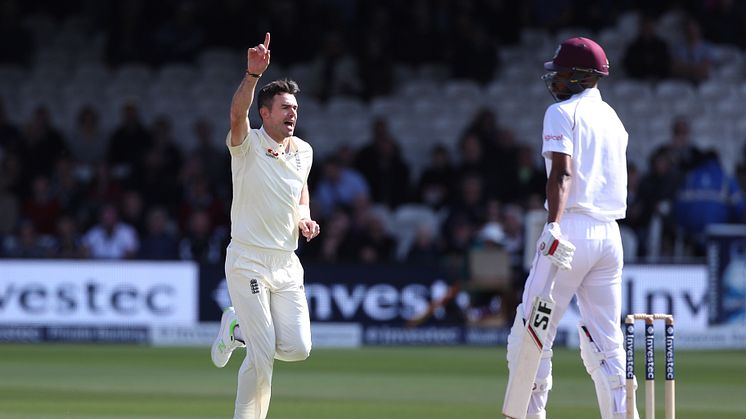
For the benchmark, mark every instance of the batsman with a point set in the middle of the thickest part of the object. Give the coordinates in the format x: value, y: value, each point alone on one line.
x: 580, y: 250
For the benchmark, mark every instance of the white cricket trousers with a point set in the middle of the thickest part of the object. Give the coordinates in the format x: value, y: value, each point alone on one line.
x: 596, y: 280
x: 266, y: 288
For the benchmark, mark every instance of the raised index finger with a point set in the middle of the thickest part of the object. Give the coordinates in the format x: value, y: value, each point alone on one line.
x: 266, y: 40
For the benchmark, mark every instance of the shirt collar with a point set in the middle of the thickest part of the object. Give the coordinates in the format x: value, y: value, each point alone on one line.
x: 591, y: 92
x: 292, y: 145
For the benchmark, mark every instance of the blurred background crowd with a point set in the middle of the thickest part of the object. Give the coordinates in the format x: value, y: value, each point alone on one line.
x: 425, y: 117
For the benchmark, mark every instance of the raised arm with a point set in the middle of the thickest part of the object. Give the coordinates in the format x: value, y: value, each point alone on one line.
x: 257, y: 62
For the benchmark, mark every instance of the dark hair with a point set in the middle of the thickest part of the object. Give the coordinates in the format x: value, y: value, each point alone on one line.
x: 268, y: 92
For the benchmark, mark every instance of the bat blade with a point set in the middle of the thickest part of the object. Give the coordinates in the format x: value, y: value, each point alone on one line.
x: 523, y: 373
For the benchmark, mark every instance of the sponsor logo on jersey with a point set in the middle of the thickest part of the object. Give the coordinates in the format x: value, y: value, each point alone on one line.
x: 550, y: 137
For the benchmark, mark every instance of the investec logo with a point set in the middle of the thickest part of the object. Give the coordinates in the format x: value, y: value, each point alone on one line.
x: 90, y: 298
x: 629, y: 343
x: 669, y: 353
x: 377, y: 301
x: 649, y: 354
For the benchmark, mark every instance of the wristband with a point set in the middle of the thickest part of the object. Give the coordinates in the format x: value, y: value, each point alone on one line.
x: 304, y: 211
x: 254, y: 75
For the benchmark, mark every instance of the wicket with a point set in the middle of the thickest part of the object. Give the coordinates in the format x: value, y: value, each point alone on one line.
x: 629, y: 346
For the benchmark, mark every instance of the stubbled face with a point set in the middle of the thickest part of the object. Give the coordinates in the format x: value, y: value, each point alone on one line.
x: 279, y: 120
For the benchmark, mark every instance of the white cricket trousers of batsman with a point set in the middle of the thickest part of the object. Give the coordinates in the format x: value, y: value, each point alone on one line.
x: 596, y: 280
x: 273, y: 317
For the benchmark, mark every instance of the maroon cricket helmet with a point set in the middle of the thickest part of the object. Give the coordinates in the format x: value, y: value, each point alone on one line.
x: 579, y: 54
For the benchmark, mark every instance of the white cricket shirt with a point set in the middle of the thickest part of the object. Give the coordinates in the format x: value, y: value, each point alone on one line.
x: 267, y: 184
x: 589, y: 130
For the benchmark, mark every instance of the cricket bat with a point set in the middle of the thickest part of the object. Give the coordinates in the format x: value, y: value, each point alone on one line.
x: 535, y: 337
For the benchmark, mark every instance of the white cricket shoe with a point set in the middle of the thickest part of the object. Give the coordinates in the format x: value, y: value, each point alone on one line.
x: 225, y: 343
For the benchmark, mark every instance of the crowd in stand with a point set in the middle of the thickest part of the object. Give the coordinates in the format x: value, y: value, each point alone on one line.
x: 136, y: 193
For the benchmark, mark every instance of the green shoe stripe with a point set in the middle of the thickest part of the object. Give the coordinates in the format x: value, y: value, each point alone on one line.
x: 232, y: 327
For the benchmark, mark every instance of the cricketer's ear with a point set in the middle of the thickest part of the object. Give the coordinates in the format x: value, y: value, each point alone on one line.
x: 264, y: 112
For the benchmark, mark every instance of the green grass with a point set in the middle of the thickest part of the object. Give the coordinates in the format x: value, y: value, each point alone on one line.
x: 111, y: 381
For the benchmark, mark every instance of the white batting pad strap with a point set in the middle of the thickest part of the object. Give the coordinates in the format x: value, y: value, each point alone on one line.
x: 541, y: 386
x: 616, y: 381
x: 608, y: 386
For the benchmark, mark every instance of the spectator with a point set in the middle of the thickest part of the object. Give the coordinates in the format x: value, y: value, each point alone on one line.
x: 165, y: 145
x: 740, y: 169
x: 11, y: 139
x: 198, y: 197
x: 654, y: 203
x: 68, y: 242
x: 376, y: 68
x: 132, y: 210
x: 694, y: 57
x: 200, y: 243
x: 110, y: 238
x: 471, y: 157
x: 525, y: 180
x: 42, y: 208
x: 157, y: 174
x: 67, y: 189
x: 707, y: 196
x: 102, y: 189
x: 9, y: 208
x: 44, y: 144
x: 426, y: 249
x: 11, y: 172
x: 467, y: 213
x: 334, y: 71
x: 88, y: 144
x: 435, y: 188
x: 129, y: 141
x: 514, y: 241
x: 471, y: 200
x: 26, y: 243
x: 373, y: 244
x: 497, y: 149
x: 338, y: 186
x: 680, y: 149
x: 214, y: 163
x: 335, y: 244
x: 159, y: 242
x: 647, y: 57
x: 485, y: 126
x: 381, y: 163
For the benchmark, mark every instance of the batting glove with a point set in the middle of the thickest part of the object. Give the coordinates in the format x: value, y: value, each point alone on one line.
x: 559, y: 251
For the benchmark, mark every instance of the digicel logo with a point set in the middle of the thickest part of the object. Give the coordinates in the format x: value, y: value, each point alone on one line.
x: 550, y: 137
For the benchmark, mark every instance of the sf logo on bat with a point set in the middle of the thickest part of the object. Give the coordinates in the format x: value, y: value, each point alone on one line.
x: 542, y: 314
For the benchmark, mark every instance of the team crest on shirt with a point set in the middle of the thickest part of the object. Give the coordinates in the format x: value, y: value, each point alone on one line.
x: 271, y: 153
